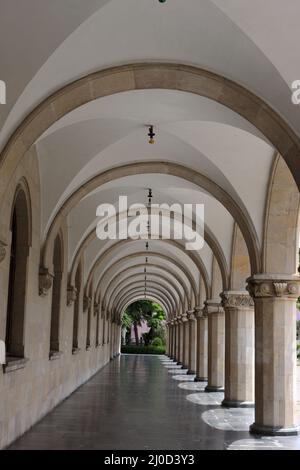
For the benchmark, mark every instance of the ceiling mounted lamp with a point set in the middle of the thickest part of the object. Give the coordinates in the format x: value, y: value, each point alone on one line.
x: 147, y: 246
x: 150, y: 196
x: 162, y: 1
x: 151, y: 135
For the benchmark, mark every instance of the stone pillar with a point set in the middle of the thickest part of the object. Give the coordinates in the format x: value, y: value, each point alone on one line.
x: 192, y: 325
x: 177, y: 340
x: 181, y: 337
x: 186, y: 340
x: 173, y: 340
x: 275, y: 353
x: 239, y: 349
x: 202, y: 346
x: 216, y: 346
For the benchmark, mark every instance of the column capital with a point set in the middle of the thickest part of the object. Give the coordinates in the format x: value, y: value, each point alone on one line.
x: 45, y: 281
x: 274, y: 285
x: 191, y: 315
x: 87, y: 302
x: 184, y: 317
x: 212, y: 307
x: 71, y: 295
x: 236, y: 299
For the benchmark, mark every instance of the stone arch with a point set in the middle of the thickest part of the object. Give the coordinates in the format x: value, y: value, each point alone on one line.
x: 152, y: 288
x: 140, y: 295
x: 216, y: 281
x: 238, y: 211
x: 196, y: 260
x: 280, y: 244
x: 156, y: 255
x: 155, y: 76
x: 161, y: 277
x: 153, y: 284
x: 165, y: 271
x: 240, y: 268
x: 152, y: 297
x: 20, y: 228
x: 58, y: 266
x: 208, y: 236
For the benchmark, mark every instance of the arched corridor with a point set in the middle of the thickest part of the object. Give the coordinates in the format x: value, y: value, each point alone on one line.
x: 140, y: 163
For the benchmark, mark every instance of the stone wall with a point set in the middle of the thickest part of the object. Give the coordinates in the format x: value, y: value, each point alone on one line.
x: 27, y: 394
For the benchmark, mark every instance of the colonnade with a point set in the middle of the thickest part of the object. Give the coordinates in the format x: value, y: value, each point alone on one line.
x: 245, y: 344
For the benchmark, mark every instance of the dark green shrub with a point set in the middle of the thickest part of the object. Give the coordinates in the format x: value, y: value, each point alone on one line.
x: 157, y: 342
x: 143, y: 349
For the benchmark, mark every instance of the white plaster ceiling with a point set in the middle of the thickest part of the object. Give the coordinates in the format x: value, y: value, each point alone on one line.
x: 51, y: 43
x: 47, y: 44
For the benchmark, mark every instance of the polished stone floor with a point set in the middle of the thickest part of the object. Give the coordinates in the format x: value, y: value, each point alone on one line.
x: 143, y: 402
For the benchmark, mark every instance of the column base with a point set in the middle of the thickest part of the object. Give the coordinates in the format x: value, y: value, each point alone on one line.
x: 276, y: 431
x: 200, y: 379
x: 179, y: 364
x: 237, y: 404
x: 212, y: 389
x: 190, y: 372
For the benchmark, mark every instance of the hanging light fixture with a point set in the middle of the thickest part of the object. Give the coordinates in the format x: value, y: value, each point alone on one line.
x: 151, y: 135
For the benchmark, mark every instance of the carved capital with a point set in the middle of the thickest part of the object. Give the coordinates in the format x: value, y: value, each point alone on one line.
x: 87, y: 302
x: 3, y: 250
x: 212, y: 307
x: 45, y: 282
x: 198, y: 312
x: 191, y: 315
x: 71, y: 295
x: 238, y: 300
x: 184, y: 317
x: 268, y: 285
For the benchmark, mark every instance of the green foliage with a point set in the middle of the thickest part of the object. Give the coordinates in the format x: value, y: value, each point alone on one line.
x: 157, y: 342
x: 150, y: 312
x: 298, y: 351
x: 126, y: 321
x: 143, y: 350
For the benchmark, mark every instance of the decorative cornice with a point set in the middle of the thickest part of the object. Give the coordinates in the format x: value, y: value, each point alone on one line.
x: 212, y: 307
x: 234, y: 299
x: 3, y: 250
x: 45, y: 281
x: 266, y: 286
x: 71, y: 295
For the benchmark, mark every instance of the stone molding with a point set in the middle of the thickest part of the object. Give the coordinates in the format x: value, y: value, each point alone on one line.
x: 212, y: 307
x: 235, y: 299
x: 184, y: 317
x: 3, y: 250
x: 191, y: 315
x: 45, y: 281
x: 71, y: 295
x: 96, y: 308
x: 278, y: 286
x: 87, y: 302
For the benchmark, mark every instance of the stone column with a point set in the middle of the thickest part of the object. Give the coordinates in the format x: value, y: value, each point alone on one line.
x: 182, y: 342
x: 239, y: 349
x: 202, y: 346
x: 177, y: 340
x: 186, y: 340
x: 216, y: 346
x: 172, y: 339
x: 192, y: 325
x: 275, y: 353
